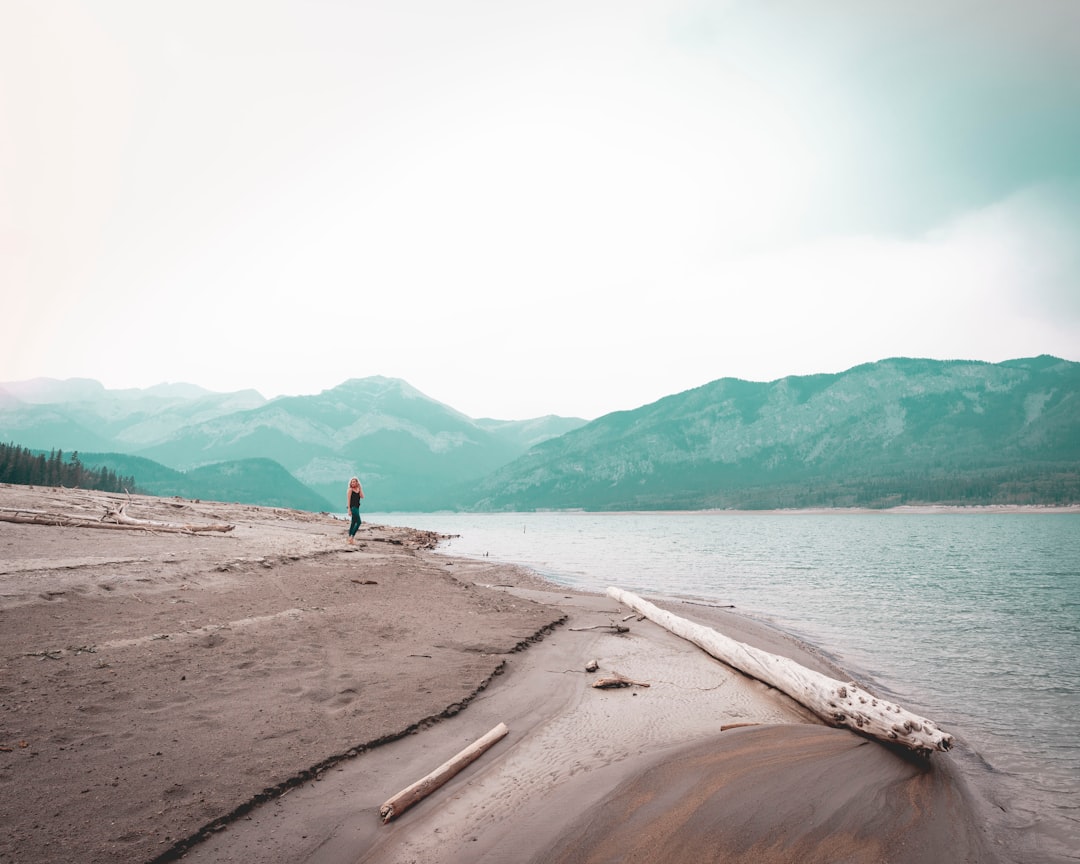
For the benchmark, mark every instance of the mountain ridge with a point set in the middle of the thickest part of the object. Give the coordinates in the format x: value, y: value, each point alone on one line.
x: 733, y: 443
x: 408, y: 447
x: 897, y: 430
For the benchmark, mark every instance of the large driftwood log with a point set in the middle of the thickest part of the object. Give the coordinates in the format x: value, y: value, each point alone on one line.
x: 58, y: 520
x: 426, y: 785
x: 113, y: 519
x: 835, y: 702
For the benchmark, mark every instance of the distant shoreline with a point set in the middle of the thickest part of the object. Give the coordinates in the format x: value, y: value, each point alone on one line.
x: 900, y: 510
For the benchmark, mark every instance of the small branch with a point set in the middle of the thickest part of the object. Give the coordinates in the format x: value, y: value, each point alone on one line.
x: 613, y: 627
x: 47, y: 654
x: 615, y: 681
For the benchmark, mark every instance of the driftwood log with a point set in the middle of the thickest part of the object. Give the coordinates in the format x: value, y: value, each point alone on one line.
x: 114, y: 518
x: 423, y: 787
x: 835, y: 702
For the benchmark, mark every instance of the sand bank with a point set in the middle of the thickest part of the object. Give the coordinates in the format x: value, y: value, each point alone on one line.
x: 264, y: 691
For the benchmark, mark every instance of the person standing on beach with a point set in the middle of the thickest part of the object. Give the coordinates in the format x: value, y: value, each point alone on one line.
x: 356, y: 492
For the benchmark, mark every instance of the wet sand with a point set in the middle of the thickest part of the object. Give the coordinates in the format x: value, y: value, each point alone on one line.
x: 256, y: 696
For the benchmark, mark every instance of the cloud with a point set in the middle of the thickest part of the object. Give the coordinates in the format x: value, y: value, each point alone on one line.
x: 916, y: 112
x: 1024, y: 249
x: 994, y: 283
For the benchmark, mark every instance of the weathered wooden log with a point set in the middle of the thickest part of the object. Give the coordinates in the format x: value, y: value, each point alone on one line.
x: 127, y: 523
x: 423, y: 787
x: 57, y: 520
x: 835, y: 702
x: 31, y: 517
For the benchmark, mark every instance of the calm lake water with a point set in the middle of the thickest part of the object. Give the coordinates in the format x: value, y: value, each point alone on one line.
x: 971, y: 619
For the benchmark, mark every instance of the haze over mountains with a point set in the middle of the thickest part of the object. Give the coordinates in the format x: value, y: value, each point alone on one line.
x: 892, y: 432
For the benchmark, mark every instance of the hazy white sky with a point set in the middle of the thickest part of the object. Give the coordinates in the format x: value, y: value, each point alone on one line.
x: 525, y: 208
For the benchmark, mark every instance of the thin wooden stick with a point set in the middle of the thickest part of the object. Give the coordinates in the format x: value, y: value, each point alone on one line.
x: 423, y: 787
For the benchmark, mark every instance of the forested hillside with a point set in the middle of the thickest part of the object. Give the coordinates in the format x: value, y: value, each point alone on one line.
x: 899, y: 431
x: 33, y: 468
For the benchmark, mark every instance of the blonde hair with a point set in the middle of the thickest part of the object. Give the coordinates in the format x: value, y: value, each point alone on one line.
x: 355, y: 480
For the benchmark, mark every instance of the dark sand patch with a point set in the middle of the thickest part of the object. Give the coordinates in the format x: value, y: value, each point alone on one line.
x: 795, y: 794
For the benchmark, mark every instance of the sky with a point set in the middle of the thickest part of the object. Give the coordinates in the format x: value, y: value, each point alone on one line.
x: 527, y: 208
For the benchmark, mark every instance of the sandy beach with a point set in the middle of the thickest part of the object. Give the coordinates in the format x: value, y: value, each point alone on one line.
x: 256, y: 695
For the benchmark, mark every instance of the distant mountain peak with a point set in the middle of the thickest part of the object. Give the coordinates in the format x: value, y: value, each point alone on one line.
x: 46, y: 391
x: 175, y: 390
x: 375, y: 385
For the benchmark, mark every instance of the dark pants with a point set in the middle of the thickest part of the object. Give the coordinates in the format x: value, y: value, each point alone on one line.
x: 355, y: 520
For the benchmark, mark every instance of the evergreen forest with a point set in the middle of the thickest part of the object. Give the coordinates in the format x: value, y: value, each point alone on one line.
x: 26, y: 467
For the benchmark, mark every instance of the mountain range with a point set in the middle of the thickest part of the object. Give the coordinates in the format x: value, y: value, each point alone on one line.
x: 894, y: 432
x: 408, y: 448
x: 891, y: 432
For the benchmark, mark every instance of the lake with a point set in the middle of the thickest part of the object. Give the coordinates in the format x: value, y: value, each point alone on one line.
x: 969, y: 618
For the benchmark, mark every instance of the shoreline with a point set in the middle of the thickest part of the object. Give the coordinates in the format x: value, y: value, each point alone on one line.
x: 324, y: 679
x: 575, y: 754
x: 900, y: 509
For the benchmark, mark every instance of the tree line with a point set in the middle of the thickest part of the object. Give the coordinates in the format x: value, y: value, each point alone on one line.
x: 27, y: 467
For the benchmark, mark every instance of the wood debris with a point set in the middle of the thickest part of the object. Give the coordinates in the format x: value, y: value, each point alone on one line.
x: 616, y: 680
